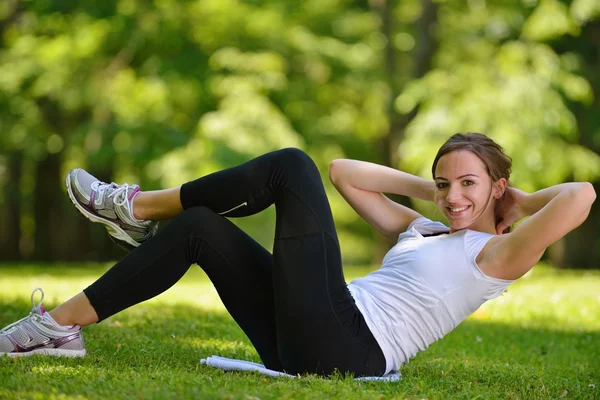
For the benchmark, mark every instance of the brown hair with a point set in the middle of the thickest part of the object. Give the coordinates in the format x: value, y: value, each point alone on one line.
x: 497, y: 163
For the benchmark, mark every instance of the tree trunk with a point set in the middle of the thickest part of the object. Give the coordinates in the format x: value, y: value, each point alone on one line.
x: 423, y: 52
x: 581, y: 247
x: 47, y: 208
x: 10, y: 233
x: 425, y: 40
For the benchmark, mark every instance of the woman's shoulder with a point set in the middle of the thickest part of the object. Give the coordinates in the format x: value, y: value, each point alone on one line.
x: 492, y: 258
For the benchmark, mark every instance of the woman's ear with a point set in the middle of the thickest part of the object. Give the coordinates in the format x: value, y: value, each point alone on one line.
x: 499, y: 188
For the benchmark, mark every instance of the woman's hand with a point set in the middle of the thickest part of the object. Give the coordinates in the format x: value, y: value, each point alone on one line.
x: 511, y: 208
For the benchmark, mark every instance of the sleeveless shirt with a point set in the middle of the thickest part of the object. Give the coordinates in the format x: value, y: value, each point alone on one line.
x: 425, y: 287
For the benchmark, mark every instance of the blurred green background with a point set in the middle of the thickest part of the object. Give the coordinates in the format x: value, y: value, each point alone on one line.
x: 160, y: 92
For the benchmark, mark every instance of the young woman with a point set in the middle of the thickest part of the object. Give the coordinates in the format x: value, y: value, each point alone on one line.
x: 294, y: 304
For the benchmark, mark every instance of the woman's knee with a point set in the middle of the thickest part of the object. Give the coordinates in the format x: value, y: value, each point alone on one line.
x: 193, y: 220
x: 296, y: 158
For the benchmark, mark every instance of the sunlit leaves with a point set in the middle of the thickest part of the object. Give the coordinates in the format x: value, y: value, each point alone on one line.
x: 585, y: 10
x: 138, y: 100
x: 172, y: 89
x: 514, y: 92
x: 233, y: 59
x: 549, y: 20
x: 355, y: 24
x: 249, y: 124
x: 217, y: 23
x: 515, y: 108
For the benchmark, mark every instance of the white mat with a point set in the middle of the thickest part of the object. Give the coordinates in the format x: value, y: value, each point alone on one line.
x: 229, y: 364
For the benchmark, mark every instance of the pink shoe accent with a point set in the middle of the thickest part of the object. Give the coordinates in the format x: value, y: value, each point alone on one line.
x: 43, y: 310
x: 92, y: 202
x: 132, y: 195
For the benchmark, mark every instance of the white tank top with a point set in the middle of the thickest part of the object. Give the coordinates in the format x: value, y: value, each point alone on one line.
x: 425, y: 287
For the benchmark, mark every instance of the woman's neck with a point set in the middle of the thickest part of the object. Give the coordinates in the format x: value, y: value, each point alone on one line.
x: 486, y: 225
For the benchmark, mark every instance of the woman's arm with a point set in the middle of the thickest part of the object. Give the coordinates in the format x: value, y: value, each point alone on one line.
x: 534, y: 202
x: 362, y: 184
x: 554, y: 212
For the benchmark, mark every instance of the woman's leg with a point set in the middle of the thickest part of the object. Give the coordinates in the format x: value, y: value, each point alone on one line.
x: 305, y: 312
x: 157, y: 205
x: 75, y: 311
x: 238, y: 266
x: 319, y: 328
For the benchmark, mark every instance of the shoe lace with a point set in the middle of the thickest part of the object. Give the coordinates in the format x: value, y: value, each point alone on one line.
x: 119, y: 193
x: 32, y: 314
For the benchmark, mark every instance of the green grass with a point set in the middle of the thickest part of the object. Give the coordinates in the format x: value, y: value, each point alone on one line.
x: 539, y: 340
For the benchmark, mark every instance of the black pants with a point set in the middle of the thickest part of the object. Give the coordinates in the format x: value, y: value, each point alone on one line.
x: 293, y: 305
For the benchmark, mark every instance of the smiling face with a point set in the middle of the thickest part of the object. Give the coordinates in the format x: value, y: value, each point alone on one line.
x: 465, y: 193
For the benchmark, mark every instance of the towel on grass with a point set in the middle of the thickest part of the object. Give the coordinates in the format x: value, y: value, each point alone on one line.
x: 230, y: 364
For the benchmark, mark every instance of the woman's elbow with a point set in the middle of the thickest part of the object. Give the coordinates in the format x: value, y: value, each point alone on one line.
x: 333, y: 170
x: 587, y: 192
x: 583, y: 197
x: 336, y: 169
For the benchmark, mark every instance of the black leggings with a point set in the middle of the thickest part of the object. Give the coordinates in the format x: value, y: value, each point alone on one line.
x: 293, y: 305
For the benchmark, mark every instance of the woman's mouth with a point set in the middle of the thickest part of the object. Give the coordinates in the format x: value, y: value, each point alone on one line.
x: 457, y: 211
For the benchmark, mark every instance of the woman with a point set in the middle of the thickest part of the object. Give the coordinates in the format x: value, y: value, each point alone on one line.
x: 294, y: 305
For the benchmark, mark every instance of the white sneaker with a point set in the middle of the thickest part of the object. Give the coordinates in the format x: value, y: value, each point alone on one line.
x: 111, y: 205
x: 38, y: 333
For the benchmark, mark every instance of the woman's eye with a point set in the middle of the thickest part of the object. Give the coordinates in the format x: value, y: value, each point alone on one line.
x: 468, y: 183
x: 441, y: 185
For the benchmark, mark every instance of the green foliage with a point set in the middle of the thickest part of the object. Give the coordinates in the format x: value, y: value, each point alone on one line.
x: 537, y: 341
x: 505, y: 83
x: 162, y: 92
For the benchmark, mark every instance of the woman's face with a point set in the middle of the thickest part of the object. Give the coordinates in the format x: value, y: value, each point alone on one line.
x: 463, y: 189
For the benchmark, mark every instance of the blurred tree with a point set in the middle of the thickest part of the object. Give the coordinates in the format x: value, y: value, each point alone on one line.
x: 88, y: 78
x: 409, y: 33
x: 12, y: 163
x: 581, y: 54
x: 162, y: 92
x: 496, y: 74
x: 10, y: 231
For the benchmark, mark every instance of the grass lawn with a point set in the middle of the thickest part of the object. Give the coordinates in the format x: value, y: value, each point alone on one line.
x: 539, y: 340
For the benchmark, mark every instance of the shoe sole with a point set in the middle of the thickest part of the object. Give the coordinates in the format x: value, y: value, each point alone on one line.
x: 113, y: 229
x: 50, y: 352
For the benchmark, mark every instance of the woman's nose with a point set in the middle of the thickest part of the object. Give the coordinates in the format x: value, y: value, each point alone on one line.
x: 454, y: 194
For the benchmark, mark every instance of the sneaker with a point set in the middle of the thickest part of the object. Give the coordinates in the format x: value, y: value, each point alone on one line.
x: 38, y: 333
x: 111, y: 205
